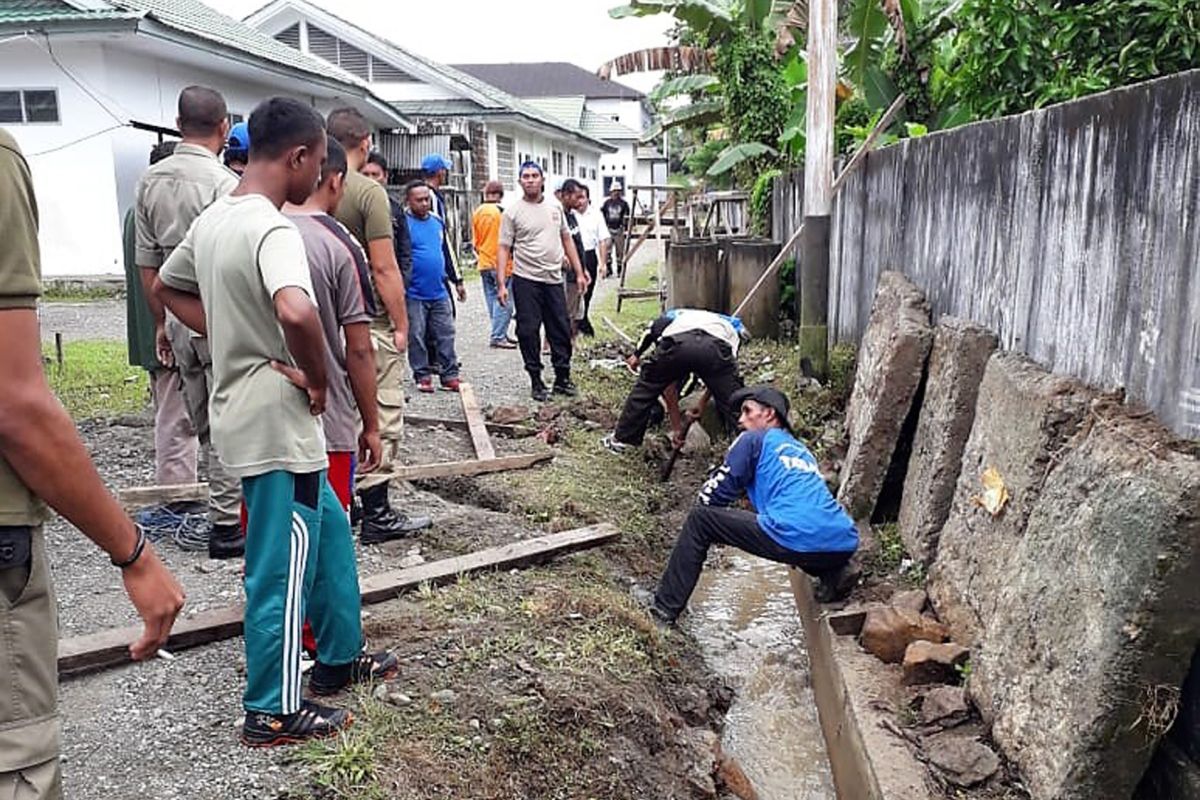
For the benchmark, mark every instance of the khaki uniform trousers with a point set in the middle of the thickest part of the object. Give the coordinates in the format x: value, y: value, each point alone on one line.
x: 390, y: 366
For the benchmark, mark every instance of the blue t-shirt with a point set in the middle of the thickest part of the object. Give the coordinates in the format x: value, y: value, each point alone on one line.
x: 784, y: 484
x: 429, y: 264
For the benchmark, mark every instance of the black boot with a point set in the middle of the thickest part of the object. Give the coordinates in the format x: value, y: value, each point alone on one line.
x: 538, y: 390
x: 226, y: 541
x: 562, y: 383
x: 382, y: 523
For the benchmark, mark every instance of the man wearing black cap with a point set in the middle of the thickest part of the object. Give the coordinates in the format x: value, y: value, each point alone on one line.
x: 796, y: 520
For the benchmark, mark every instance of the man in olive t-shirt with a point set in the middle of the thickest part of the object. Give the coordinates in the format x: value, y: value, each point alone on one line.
x: 366, y: 212
x: 42, y: 458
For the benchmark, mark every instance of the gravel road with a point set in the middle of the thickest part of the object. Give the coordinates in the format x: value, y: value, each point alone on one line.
x: 176, y: 721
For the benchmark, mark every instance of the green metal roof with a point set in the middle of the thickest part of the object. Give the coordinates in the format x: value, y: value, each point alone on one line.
x: 567, y: 109
x: 606, y: 127
x: 574, y: 112
x: 30, y: 12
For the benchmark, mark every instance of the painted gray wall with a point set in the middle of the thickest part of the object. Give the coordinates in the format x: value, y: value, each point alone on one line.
x: 1071, y: 231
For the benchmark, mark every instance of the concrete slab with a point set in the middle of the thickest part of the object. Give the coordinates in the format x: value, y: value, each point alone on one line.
x: 1024, y: 417
x: 960, y: 353
x: 1098, y: 615
x: 891, y: 361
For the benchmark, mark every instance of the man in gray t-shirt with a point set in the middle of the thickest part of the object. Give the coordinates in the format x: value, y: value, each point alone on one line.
x: 534, y: 236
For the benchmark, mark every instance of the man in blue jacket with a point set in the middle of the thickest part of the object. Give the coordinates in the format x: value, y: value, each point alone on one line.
x: 796, y: 520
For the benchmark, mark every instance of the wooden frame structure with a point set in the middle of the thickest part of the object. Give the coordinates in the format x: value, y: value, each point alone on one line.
x: 477, y: 427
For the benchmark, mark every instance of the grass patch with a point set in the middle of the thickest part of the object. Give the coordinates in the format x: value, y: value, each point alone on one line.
x: 95, y: 379
x: 889, y: 558
x: 80, y: 292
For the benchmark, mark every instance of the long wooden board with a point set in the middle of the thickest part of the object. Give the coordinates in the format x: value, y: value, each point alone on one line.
x: 111, y: 648
x: 475, y: 423
x: 514, y: 431
x: 149, y: 495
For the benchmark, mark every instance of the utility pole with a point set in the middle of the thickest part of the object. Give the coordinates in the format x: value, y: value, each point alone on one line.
x: 812, y: 278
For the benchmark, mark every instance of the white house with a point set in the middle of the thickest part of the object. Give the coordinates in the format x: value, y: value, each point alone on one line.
x: 487, y: 131
x: 604, y: 108
x: 87, y: 87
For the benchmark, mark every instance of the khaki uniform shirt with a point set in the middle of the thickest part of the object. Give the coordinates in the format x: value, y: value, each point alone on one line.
x: 533, y: 232
x: 237, y: 255
x: 29, y: 723
x: 171, y: 194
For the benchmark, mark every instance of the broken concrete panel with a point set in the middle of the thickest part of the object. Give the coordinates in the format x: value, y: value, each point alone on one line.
x: 1098, y: 613
x: 1024, y: 416
x: 960, y: 353
x: 891, y: 360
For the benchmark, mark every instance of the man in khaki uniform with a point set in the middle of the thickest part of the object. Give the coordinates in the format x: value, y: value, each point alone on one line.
x: 366, y: 213
x: 42, y: 458
x: 170, y: 196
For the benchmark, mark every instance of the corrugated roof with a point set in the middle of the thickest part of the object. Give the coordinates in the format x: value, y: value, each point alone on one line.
x: 606, y: 127
x: 27, y: 12
x: 549, y: 79
x: 568, y: 109
x: 197, y: 19
x: 437, y: 108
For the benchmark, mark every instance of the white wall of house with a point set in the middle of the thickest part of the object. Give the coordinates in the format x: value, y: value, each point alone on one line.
x: 74, y: 183
x: 84, y: 188
x: 539, y: 147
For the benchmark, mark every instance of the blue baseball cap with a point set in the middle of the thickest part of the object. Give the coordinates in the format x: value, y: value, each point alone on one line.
x: 239, y: 140
x: 435, y: 162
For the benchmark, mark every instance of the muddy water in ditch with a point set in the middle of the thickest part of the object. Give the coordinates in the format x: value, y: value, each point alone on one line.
x: 744, y: 617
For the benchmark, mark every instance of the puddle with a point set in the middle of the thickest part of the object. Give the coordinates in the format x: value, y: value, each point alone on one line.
x: 744, y: 617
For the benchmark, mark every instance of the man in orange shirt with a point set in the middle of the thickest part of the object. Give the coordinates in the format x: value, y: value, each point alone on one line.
x: 485, y: 229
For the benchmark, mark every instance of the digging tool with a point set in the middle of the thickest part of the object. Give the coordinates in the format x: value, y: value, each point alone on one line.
x: 676, y: 448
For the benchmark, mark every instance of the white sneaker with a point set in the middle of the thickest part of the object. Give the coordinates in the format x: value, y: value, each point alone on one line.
x: 610, y: 443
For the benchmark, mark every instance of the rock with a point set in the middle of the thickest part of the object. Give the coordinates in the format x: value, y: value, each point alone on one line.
x: 411, y: 561
x: 473, y: 724
x: 399, y: 699
x: 946, y: 706
x: 381, y: 692
x: 891, y: 360
x: 913, y: 600
x: 887, y: 632
x: 1025, y: 416
x: 444, y: 696
x: 548, y: 413
x: 509, y: 415
x: 1186, y: 730
x: 733, y: 778
x: 1089, y: 633
x: 956, y: 363
x: 962, y: 759
x: 929, y: 662
x: 206, y: 567
x: 701, y: 749
x: 697, y: 441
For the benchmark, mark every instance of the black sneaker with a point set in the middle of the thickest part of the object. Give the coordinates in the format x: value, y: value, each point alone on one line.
x: 566, y: 388
x: 540, y: 393
x: 646, y: 598
x: 830, y: 587
x: 312, y: 721
x: 327, y: 680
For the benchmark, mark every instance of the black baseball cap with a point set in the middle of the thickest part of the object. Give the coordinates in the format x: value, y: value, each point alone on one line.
x: 768, y: 396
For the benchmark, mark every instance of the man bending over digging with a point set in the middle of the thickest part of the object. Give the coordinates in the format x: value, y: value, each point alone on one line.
x: 796, y: 520
x: 242, y: 277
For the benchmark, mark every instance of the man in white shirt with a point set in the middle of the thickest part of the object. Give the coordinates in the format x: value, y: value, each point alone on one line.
x: 596, y: 240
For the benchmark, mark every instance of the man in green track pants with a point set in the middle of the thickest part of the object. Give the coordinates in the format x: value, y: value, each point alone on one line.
x: 241, y: 276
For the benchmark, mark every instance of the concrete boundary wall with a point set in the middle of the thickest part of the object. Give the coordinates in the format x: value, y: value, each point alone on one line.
x: 1072, y: 231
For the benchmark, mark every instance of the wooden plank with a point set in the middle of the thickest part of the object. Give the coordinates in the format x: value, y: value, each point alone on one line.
x: 475, y: 423
x: 474, y: 466
x: 388, y: 585
x: 515, y: 431
x: 639, y: 294
x: 139, y: 496
x: 110, y: 648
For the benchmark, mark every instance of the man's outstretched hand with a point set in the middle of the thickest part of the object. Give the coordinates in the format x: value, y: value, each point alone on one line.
x: 157, y: 596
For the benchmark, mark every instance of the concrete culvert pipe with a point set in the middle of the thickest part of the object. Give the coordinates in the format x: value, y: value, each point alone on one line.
x: 696, y: 276
x: 745, y: 261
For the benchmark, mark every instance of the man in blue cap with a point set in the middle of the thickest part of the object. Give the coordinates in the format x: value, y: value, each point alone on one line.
x: 237, y: 148
x: 435, y: 168
x: 795, y: 520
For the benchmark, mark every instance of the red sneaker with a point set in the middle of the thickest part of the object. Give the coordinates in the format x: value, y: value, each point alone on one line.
x: 425, y: 385
x: 450, y: 385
